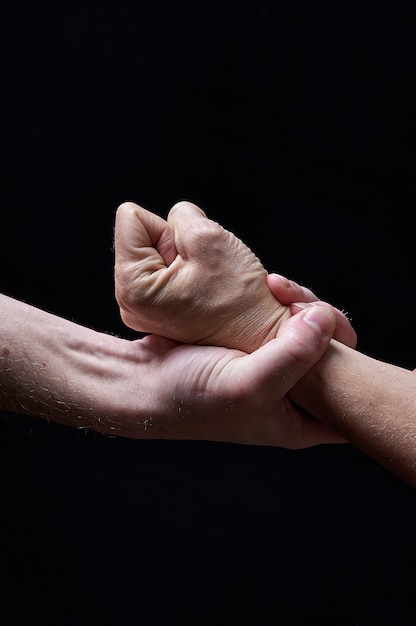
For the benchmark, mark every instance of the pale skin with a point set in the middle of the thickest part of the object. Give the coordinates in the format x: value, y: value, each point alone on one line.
x: 165, y: 264
x: 369, y: 402
x: 156, y: 388
x: 189, y: 279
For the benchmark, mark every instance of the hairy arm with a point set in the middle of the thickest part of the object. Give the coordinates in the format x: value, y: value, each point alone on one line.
x: 57, y: 370
x: 370, y: 402
x: 155, y: 388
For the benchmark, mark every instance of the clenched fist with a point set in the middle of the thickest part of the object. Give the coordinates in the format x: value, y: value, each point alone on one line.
x: 189, y: 279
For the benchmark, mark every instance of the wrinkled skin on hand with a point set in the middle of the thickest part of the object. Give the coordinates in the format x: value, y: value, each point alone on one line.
x: 224, y: 395
x: 189, y: 279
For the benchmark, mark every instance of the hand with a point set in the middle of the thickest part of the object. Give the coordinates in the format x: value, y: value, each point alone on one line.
x: 155, y: 388
x: 290, y: 293
x: 217, y: 394
x: 191, y: 280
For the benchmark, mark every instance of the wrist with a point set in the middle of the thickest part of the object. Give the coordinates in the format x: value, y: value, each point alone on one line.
x: 258, y: 326
x: 312, y: 391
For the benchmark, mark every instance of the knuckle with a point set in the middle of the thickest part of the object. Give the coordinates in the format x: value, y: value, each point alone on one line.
x: 126, y: 207
x: 302, y: 351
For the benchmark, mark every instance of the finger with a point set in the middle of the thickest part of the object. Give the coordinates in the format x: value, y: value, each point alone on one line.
x: 137, y: 230
x: 344, y: 332
x: 186, y: 210
x: 290, y: 293
x: 301, y: 342
x: 287, y: 291
x: 195, y: 233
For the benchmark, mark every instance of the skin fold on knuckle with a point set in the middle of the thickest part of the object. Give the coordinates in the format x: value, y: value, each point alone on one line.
x: 304, y: 348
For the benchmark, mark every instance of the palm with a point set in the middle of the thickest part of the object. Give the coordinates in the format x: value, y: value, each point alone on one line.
x: 245, y: 410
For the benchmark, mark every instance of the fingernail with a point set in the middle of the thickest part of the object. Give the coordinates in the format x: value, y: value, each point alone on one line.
x: 320, y: 318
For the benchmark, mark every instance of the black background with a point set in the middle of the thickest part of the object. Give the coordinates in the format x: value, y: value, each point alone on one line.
x: 293, y: 125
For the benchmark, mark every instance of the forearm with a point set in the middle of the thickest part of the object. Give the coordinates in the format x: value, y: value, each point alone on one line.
x: 155, y: 388
x: 60, y: 371
x: 371, y: 403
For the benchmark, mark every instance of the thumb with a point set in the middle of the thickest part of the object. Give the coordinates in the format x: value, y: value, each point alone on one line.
x: 190, y: 224
x: 300, y: 343
x: 186, y: 211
